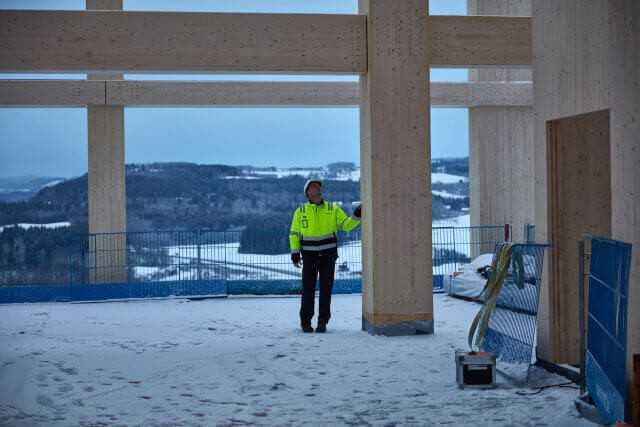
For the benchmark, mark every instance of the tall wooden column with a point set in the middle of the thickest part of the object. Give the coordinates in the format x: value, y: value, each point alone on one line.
x: 396, y: 169
x: 106, y: 176
x: 501, y: 154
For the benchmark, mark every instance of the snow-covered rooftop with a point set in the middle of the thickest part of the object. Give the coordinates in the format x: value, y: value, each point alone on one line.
x: 243, y: 361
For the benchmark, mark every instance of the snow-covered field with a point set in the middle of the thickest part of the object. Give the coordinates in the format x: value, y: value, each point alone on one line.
x: 284, y: 173
x: 226, y: 260
x: 446, y: 178
x: 458, y: 221
x: 446, y: 194
x: 52, y: 183
x: 29, y: 225
x: 243, y: 361
x: 312, y: 172
x: 354, y: 175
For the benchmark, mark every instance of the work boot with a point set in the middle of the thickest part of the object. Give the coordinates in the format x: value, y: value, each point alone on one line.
x: 306, y: 328
x: 322, y: 327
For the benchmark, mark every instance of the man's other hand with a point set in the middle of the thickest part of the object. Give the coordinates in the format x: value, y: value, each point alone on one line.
x: 296, y: 259
x: 357, y: 212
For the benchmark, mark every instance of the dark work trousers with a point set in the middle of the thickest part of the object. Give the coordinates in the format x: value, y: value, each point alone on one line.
x: 323, y: 264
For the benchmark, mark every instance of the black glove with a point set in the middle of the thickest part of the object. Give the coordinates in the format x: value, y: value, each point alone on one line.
x: 357, y: 212
x: 295, y: 259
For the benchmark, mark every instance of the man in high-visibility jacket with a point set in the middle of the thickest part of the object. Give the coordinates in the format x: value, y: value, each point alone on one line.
x: 313, y: 241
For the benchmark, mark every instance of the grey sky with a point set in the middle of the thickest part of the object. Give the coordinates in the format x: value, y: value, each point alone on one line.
x: 53, y: 141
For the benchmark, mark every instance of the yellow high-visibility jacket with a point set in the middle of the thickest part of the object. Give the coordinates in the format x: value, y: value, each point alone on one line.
x: 314, y: 227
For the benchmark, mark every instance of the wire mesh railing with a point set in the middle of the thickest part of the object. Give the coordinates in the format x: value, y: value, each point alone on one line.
x: 455, y: 246
x: 229, y: 256
x: 39, y: 256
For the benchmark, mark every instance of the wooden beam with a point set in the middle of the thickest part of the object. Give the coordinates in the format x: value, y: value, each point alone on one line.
x: 466, y: 41
x: 51, y: 93
x: 481, y: 94
x: 78, y: 93
x: 104, y: 4
x: 501, y: 184
x: 229, y: 93
x: 115, y: 41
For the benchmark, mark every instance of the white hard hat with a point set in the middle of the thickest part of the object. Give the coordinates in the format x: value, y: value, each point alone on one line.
x: 309, y: 182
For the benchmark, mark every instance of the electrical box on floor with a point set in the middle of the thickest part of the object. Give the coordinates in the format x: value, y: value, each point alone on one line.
x: 475, y: 369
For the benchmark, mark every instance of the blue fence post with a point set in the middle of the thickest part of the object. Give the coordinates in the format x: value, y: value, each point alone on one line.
x: 199, y: 260
x: 224, y: 266
x: 70, y: 264
x: 581, y: 313
x: 455, y: 257
x: 529, y: 233
x: 127, y: 258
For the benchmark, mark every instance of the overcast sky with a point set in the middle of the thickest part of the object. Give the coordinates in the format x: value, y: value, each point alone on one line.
x: 52, y: 142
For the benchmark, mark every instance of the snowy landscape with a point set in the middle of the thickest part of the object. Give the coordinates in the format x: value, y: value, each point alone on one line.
x: 226, y: 261
x: 250, y: 206
x: 243, y: 361
x: 344, y: 175
x: 188, y: 196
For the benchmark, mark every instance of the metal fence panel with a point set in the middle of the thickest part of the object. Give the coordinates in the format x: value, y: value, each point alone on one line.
x: 512, y: 328
x: 607, y: 326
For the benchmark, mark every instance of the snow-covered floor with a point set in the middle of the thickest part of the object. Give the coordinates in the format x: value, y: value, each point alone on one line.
x: 243, y: 361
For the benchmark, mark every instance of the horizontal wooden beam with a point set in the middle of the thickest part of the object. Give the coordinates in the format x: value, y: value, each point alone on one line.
x: 51, y: 93
x: 70, y: 93
x: 481, y: 94
x: 117, y: 41
x: 232, y: 93
x: 125, y: 42
x: 468, y: 41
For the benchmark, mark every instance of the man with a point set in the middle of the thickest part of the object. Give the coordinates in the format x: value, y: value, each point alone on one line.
x: 313, y: 241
